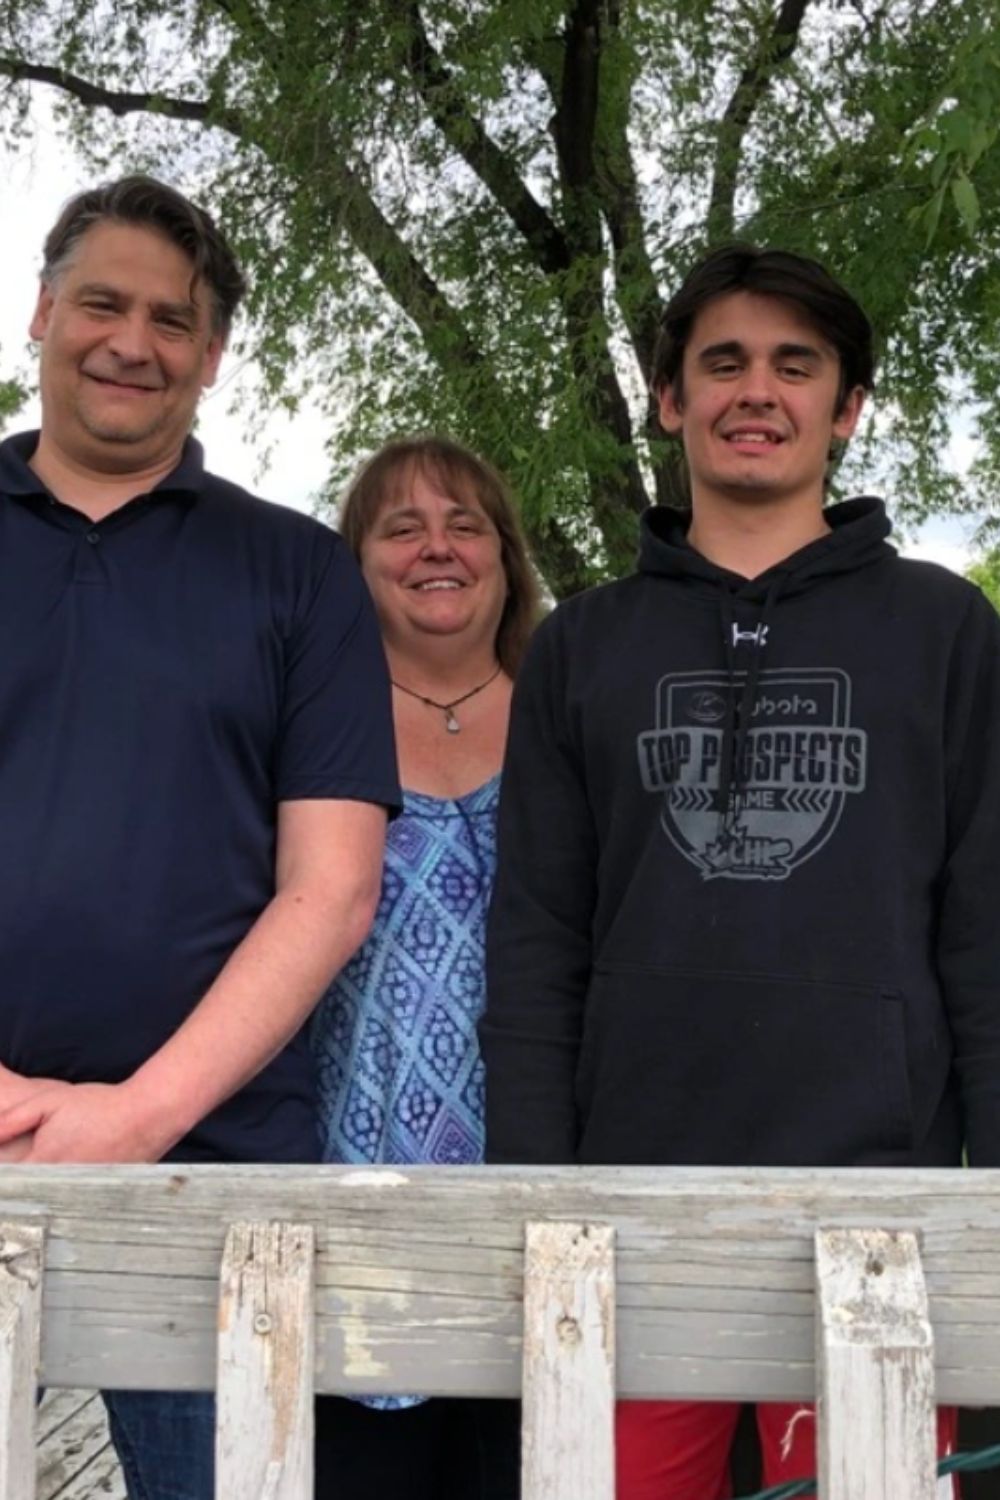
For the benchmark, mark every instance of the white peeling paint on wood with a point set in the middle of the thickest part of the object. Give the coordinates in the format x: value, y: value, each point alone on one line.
x: 264, y: 1437
x: 21, y: 1250
x: 419, y: 1288
x: 364, y: 1177
x: 569, y: 1362
x: 875, y: 1367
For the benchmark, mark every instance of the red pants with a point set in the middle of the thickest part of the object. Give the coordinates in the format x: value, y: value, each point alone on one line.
x: 679, y: 1450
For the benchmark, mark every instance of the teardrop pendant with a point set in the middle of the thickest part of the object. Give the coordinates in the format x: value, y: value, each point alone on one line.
x: 451, y: 723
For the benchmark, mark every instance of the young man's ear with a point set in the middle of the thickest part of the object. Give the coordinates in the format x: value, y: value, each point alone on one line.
x: 846, y: 419
x: 671, y: 418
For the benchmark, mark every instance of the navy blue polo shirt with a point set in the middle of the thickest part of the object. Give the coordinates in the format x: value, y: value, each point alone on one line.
x: 167, y: 676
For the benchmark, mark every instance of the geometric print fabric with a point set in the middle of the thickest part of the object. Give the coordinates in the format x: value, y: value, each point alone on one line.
x: 394, y: 1038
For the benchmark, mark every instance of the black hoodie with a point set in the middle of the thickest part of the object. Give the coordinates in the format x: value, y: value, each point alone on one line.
x: 748, y: 903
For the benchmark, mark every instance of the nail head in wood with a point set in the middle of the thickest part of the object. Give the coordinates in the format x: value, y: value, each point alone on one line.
x: 264, y: 1436
x: 876, y: 1417
x: 569, y: 1362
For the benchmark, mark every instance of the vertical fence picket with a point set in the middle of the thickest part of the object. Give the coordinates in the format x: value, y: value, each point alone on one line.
x: 874, y: 1367
x: 569, y: 1362
x: 264, y: 1438
x: 21, y: 1247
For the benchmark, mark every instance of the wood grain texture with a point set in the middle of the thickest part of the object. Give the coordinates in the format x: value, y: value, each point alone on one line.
x: 264, y: 1433
x: 876, y: 1437
x: 21, y: 1247
x: 419, y: 1274
x: 569, y: 1362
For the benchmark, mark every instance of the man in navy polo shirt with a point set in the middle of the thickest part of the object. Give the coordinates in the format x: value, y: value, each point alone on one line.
x: 196, y: 753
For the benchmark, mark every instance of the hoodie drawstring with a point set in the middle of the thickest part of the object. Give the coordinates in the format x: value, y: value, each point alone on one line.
x: 736, y: 730
x: 728, y: 620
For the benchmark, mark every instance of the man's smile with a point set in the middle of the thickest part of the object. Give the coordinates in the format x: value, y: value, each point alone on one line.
x: 112, y: 383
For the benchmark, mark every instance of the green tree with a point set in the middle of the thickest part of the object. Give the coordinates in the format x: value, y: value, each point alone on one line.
x: 986, y: 573
x: 464, y: 213
x: 12, y: 395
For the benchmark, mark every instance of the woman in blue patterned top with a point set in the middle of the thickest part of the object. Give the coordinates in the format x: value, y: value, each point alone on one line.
x: 400, y: 1076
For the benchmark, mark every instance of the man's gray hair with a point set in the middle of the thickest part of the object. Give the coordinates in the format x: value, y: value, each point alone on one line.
x: 148, y: 204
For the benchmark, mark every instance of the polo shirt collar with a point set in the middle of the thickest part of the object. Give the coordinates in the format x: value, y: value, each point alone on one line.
x: 185, y: 482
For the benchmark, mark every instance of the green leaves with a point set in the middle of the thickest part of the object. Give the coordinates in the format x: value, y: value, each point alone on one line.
x: 959, y: 135
x: 464, y: 214
x: 966, y: 200
x: 12, y: 398
x: 986, y: 574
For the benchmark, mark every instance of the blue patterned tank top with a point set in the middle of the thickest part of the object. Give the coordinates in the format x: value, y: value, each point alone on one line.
x: 400, y: 1076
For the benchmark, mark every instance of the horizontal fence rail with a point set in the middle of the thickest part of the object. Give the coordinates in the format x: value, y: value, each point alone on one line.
x: 880, y: 1290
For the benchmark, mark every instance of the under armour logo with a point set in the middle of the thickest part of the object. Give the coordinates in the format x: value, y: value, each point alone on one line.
x: 758, y: 635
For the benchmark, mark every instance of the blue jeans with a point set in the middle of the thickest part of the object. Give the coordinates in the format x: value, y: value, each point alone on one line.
x: 165, y: 1441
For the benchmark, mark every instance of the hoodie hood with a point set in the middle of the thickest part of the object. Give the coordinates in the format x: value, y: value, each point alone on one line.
x: 857, y: 538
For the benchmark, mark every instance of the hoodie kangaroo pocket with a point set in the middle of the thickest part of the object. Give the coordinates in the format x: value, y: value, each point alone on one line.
x: 684, y: 1067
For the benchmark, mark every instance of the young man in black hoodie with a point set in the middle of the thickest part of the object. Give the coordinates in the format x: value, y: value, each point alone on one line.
x: 746, y: 910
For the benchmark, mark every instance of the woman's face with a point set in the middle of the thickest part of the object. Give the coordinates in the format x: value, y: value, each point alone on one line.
x: 433, y: 564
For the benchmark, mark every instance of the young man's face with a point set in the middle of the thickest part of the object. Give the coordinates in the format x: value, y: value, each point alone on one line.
x: 125, y: 350
x: 759, y: 406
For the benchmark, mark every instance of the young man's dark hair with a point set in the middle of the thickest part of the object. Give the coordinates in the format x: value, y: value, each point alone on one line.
x: 147, y: 204
x: 767, y: 273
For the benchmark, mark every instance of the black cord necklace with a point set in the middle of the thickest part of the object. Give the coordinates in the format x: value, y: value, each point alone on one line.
x: 450, y: 722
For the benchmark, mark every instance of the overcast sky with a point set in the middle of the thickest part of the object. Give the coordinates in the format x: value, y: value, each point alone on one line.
x: 36, y: 179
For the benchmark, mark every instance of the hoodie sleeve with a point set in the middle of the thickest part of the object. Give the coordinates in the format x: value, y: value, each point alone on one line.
x: 539, y: 939
x: 969, y: 913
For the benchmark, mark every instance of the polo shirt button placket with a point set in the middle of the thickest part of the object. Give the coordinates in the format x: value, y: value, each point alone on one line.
x: 89, y: 568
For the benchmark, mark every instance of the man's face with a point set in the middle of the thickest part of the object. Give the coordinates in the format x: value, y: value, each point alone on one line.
x: 759, y: 403
x: 125, y: 350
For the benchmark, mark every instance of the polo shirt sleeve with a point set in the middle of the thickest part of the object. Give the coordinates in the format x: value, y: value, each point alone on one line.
x: 336, y: 737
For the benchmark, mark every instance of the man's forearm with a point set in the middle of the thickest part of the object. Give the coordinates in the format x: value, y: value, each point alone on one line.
x: 327, y: 873
x: 259, y: 1001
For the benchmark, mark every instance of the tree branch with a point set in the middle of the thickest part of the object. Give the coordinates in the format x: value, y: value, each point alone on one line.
x: 402, y: 275
x: 118, y: 102
x: 636, y: 289
x: 617, y: 497
x: 773, y: 51
x: 575, y: 119
x: 444, y: 103
x: 635, y: 281
x: 565, y: 571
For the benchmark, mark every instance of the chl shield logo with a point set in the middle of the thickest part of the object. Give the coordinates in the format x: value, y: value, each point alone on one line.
x: 802, y: 758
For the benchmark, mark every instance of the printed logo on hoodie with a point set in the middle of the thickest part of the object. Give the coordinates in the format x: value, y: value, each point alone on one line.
x: 789, y: 771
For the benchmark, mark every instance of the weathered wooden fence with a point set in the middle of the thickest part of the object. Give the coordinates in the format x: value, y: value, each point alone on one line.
x: 269, y: 1283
